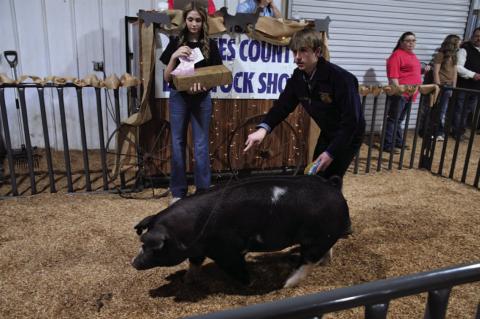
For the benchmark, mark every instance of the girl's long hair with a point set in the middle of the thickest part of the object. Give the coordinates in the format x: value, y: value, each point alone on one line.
x: 203, y: 39
x: 402, y: 37
x: 449, y: 48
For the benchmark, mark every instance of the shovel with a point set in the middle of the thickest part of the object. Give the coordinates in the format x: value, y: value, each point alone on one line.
x: 19, y: 155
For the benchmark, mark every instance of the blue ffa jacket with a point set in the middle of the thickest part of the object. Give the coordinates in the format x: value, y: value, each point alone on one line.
x: 331, y: 98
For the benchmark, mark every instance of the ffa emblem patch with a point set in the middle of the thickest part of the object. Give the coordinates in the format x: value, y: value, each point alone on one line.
x: 325, y: 97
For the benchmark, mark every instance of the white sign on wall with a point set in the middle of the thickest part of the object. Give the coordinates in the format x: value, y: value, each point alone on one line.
x: 260, y: 70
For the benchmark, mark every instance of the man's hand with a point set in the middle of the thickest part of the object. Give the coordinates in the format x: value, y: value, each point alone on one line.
x: 476, y: 77
x: 255, y: 138
x: 325, y: 161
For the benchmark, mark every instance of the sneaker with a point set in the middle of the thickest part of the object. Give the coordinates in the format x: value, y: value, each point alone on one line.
x: 174, y: 200
x: 440, y: 138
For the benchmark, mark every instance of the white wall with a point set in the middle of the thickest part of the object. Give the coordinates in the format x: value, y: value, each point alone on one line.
x: 364, y: 32
x: 62, y: 38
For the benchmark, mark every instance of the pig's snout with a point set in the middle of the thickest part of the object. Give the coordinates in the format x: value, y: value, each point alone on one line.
x: 136, y: 261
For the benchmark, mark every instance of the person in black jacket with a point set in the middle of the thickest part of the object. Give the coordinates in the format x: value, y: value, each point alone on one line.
x: 330, y: 96
x: 468, y: 68
x: 194, y: 105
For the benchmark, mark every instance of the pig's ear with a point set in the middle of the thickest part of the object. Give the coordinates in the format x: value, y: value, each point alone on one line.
x: 154, y: 238
x: 336, y: 181
x: 144, y: 224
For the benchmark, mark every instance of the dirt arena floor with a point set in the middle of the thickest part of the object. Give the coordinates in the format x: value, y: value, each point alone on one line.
x: 68, y: 255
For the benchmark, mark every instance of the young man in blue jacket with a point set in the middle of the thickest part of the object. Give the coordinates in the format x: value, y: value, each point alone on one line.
x: 330, y: 96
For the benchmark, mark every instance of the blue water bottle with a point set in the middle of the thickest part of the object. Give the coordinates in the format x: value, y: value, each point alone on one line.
x: 313, y: 168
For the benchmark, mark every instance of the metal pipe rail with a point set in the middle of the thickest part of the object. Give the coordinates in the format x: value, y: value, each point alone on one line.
x: 64, y: 110
x: 375, y: 296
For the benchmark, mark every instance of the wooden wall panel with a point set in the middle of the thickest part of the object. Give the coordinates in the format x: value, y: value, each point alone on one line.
x: 228, y: 114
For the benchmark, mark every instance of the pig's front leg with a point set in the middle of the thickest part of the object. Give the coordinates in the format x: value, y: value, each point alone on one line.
x: 195, y: 265
x: 234, y: 265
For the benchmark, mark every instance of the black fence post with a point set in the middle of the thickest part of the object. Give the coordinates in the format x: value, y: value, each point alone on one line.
x: 357, y: 155
x: 382, y: 137
x: 448, y: 124
x: 404, y: 137
x: 477, y: 176
x: 370, y: 137
x: 103, y: 155
x: 83, y: 136
x: 118, y: 123
x: 420, y: 112
x: 437, y: 304
x: 28, y: 143
x: 394, y: 134
x: 117, y: 107
x: 132, y: 100
x: 378, y: 311
x: 8, y: 142
x: 466, y: 100
x: 46, y: 138
x: 66, y: 150
x: 473, y: 128
x: 427, y: 139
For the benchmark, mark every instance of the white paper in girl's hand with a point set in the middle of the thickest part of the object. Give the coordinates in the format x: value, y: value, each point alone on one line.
x: 196, y: 55
x: 187, y: 64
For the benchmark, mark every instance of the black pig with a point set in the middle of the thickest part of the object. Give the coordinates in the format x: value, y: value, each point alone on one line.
x: 253, y: 215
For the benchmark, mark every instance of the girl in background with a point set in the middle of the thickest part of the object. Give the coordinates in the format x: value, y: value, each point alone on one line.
x: 445, y: 73
x: 193, y: 106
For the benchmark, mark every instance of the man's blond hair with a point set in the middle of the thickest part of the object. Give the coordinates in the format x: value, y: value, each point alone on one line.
x: 307, y: 38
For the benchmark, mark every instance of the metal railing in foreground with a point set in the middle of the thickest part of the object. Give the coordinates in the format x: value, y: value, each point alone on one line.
x: 374, y: 296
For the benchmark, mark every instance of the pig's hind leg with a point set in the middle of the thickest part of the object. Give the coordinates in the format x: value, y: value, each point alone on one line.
x: 326, y: 258
x: 195, y: 264
x: 311, y: 256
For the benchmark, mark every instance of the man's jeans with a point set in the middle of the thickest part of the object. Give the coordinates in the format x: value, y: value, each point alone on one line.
x: 461, y: 112
x: 184, y: 109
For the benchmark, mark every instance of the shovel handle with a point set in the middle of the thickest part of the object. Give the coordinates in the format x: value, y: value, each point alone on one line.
x: 11, y: 57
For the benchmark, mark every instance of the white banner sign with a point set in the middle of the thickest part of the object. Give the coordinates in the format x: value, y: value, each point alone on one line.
x: 260, y: 70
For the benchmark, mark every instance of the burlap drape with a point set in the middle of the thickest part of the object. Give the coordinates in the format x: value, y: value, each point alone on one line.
x: 111, y: 82
x: 128, y: 130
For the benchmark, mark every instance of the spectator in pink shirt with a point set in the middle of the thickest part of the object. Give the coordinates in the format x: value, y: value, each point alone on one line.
x: 403, y: 67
